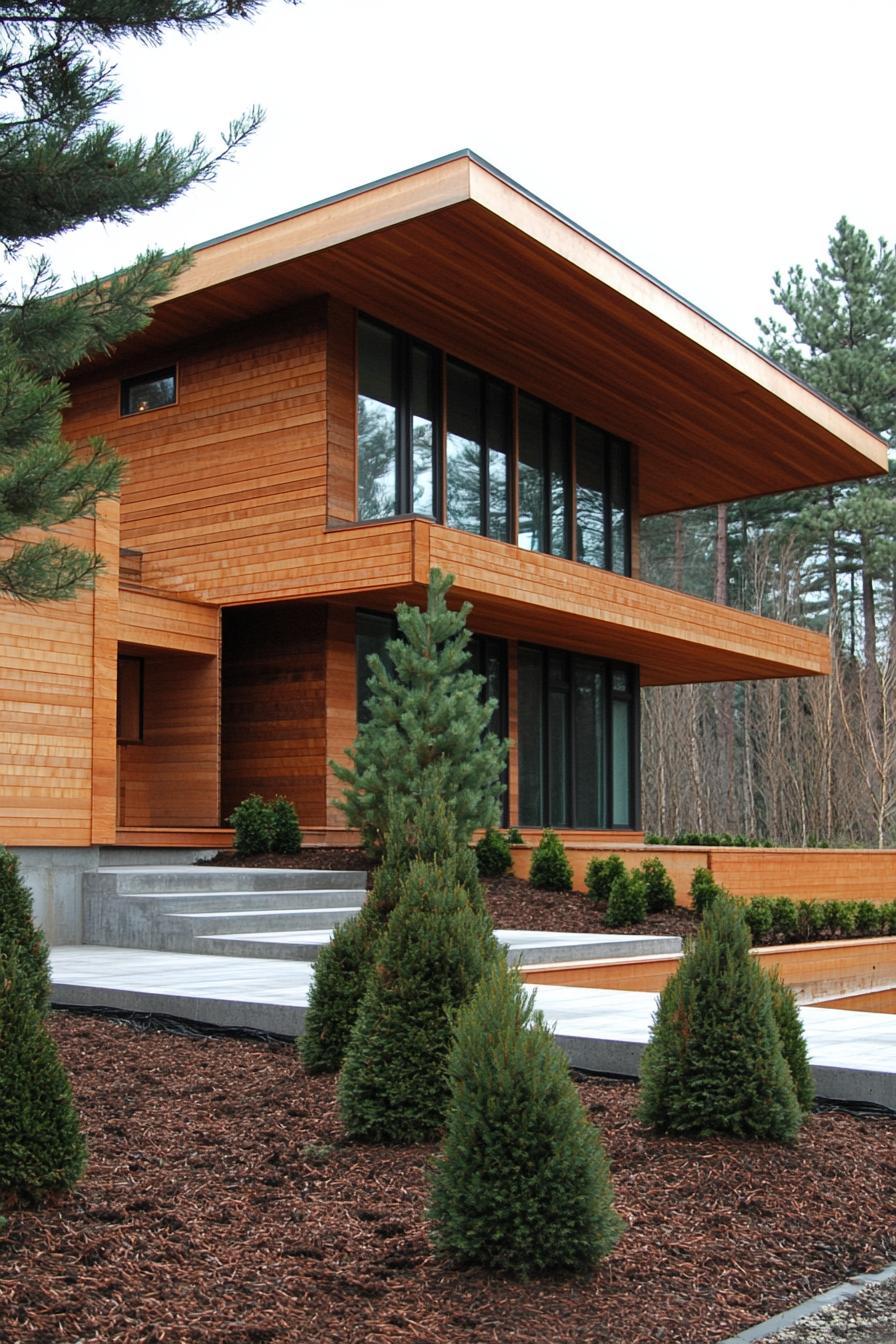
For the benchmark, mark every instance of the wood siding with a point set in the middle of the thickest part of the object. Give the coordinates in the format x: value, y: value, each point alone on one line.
x: 57, y: 687
x: 170, y: 779
x: 274, y: 708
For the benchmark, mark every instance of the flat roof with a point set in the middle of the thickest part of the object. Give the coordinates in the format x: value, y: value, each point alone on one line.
x: 460, y: 255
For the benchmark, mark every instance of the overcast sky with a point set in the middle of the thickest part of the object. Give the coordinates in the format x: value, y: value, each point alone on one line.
x: 710, y: 143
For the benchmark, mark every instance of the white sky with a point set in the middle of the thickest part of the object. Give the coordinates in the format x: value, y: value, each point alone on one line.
x: 711, y: 143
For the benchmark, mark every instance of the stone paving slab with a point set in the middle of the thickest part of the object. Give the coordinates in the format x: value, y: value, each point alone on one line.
x: 853, y: 1055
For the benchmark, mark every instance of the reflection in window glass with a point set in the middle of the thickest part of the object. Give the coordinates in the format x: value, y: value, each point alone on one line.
x: 558, y: 740
x: 588, y: 735
x: 423, y: 437
x: 590, y: 497
x: 619, y: 507
x: 464, y: 507
x: 621, y: 763
x: 530, y: 736
x: 558, y: 441
x: 372, y: 634
x: 531, y: 534
x: 377, y: 423
x: 498, y: 443
x: 148, y: 392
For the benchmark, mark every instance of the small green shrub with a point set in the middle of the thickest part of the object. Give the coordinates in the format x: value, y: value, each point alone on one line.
x: 19, y: 932
x: 522, y: 1184
x: 888, y: 919
x: 785, y: 924
x: 847, y: 918
x: 601, y: 874
x: 338, y: 984
x: 714, y: 1063
x: 551, y: 869
x: 793, y: 1041
x: 810, y: 918
x: 628, y: 900
x: 41, y: 1147
x: 831, y: 917
x: 868, y: 920
x: 659, y: 888
x: 760, y: 919
x: 704, y: 890
x: 493, y: 857
x: 286, y: 833
x: 514, y: 837
x: 252, y: 826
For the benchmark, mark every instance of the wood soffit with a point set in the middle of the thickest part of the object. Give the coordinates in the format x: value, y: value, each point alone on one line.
x: 461, y: 257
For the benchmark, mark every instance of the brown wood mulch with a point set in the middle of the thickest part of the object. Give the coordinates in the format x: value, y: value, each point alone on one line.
x: 223, y: 1205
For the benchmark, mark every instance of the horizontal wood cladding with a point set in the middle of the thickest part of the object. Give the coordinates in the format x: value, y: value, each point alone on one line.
x: 160, y: 621
x: 673, y: 637
x: 274, y: 707
x: 57, y: 706
x: 235, y: 473
x: 170, y: 779
x: 341, y: 693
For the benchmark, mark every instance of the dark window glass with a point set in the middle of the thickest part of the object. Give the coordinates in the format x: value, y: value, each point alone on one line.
x: 148, y: 392
x: 532, y: 533
x: 591, y: 502
x: 488, y: 657
x: 424, y: 443
x: 398, y: 442
x: 530, y: 735
x: 372, y: 634
x: 619, y: 508
x: 465, y: 448
x: 498, y: 434
x: 129, y: 707
x: 377, y: 422
x: 573, y: 720
x: 558, y: 447
x: 588, y: 737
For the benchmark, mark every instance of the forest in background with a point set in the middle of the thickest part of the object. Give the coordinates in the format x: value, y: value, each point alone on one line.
x: 809, y: 761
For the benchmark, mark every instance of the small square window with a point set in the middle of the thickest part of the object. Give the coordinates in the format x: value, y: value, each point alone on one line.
x: 148, y: 391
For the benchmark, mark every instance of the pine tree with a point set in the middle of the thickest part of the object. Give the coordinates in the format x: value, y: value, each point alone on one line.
x: 793, y: 1040
x: 394, y: 1082
x: 714, y: 1063
x: 18, y: 931
x: 41, y: 1148
x: 522, y: 1185
x: 61, y: 165
x: 429, y: 709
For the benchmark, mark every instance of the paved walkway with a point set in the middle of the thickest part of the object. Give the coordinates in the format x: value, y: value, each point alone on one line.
x: 853, y: 1055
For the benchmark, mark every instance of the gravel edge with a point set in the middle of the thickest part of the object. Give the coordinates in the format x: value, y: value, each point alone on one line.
x: 829, y: 1321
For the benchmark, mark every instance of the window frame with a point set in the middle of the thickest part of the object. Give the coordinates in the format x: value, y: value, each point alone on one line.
x: 402, y: 373
x: 547, y: 750
x: 152, y: 376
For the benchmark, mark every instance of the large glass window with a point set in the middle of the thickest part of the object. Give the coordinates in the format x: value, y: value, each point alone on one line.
x: 478, y: 418
x: 398, y: 442
x: 577, y: 735
x: 544, y: 505
x: 437, y: 437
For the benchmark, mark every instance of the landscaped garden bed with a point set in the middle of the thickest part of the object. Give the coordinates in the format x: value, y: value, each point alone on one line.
x: 223, y: 1203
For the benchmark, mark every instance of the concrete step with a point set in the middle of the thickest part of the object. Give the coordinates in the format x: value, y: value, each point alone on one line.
x: 206, y: 923
x: 160, y: 879
x: 197, y: 902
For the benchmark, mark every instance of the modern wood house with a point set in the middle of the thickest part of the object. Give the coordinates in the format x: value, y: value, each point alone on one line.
x: 437, y: 370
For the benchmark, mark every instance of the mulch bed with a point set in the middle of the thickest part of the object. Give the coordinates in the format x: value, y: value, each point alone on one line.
x: 223, y: 1205
x: 513, y: 902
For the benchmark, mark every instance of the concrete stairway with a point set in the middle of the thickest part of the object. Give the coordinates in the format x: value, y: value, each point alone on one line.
x: 262, y: 912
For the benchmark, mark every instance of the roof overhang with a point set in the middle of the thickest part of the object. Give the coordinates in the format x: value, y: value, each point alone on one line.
x: 461, y: 256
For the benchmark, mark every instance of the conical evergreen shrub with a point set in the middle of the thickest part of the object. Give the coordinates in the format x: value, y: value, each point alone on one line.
x: 394, y: 1082
x: 601, y: 874
x: 793, y: 1040
x: 714, y: 1063
x: 522, y: 1185
x: 343, y: 965
x: 19, y: 932
x: 493, y: 857
x: 550, y: 868
x: 628, y: 900
x: 41, y: 1148
x: 427, y: 709
x: 658, y: 886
